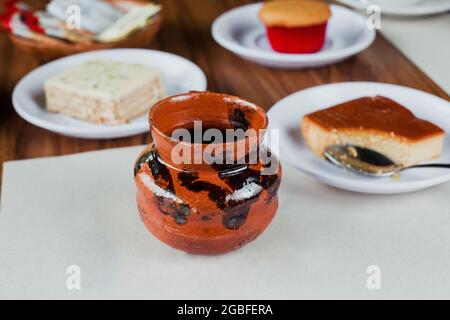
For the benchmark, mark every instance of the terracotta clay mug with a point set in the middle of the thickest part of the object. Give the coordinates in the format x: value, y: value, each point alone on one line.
x: 207, y: 197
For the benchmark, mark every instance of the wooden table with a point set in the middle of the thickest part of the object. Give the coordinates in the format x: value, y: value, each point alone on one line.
x: 186, y: 32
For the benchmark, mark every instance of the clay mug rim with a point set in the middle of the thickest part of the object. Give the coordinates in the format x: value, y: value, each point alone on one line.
x: 161, y: 109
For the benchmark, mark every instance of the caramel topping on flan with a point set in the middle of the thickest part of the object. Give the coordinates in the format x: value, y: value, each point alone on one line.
x: 375, y: 113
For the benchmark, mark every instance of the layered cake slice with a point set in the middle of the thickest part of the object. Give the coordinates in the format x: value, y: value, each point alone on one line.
x: 104, y: 91
x: 376, y: 123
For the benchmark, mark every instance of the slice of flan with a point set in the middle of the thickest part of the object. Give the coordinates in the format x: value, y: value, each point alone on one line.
x: 376, y: 123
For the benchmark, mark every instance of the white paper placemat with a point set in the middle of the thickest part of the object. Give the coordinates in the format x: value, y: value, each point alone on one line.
x: 80, y: 210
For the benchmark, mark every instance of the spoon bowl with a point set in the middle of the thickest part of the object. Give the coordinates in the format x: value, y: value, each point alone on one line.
x: 368, y: 162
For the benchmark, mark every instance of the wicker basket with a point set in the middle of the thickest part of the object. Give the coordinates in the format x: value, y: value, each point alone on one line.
x: 49, y: 48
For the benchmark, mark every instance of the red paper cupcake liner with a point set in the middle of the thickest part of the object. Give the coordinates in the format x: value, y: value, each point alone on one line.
x: 297, y: 40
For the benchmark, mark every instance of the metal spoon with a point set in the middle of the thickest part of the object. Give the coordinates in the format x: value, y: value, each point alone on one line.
x: 369, y: 162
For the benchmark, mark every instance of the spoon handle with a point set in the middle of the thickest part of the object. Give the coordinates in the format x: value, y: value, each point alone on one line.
x: 430, y: 165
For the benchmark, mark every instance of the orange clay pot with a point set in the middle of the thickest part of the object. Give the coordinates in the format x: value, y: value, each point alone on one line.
x: 206, y: 208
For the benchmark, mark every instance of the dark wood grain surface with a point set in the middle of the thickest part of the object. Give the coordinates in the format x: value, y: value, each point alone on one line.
x: 186, y: 32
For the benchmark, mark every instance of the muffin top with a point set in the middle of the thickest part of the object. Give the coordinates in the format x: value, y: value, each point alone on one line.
x: 294, y: 13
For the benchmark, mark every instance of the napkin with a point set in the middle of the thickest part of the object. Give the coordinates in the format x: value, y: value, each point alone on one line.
x: 76, y: 215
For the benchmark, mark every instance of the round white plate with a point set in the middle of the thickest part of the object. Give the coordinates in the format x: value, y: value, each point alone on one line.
x: 287, y: 114
x: 240, y: 31
x: 414, y: 8
x: 179, y: 75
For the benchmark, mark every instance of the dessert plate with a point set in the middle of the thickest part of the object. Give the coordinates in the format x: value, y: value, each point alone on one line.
x: 405, y: 8
x: 240, y: 31
x: 287, y: 114
x: 179, y: 75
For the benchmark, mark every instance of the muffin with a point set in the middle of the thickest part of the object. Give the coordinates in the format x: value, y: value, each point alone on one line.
x: 295, y: 26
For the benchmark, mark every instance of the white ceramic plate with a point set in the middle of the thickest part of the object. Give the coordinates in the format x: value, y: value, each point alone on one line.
x: 405, y: 8
x: 179, y: 75
x: 240, y: 31
x: 287, y: 114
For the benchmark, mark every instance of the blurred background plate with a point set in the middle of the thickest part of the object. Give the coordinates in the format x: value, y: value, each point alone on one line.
x: 179, y: 75
x: 240, y: 31
x: 287, y: 114
x: 53, y: 48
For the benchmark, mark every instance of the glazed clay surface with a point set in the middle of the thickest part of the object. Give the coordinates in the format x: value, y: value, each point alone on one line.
x: 205, y: 208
